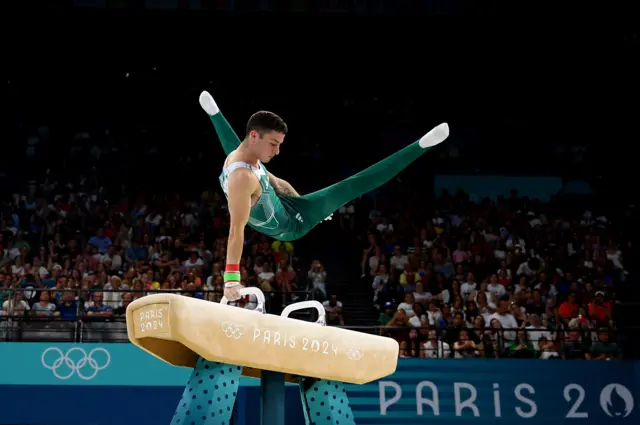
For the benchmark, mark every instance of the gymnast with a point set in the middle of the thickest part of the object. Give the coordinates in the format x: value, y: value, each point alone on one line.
x: 271, y: 205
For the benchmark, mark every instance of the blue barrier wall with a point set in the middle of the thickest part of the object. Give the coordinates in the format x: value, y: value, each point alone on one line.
x: 100, y: 384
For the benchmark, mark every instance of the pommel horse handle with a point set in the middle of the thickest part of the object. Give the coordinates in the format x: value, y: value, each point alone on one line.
x: 306, y: 304
x: 250, y: 291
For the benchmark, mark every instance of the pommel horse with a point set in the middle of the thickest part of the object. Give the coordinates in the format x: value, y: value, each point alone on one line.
x: 221, y: 342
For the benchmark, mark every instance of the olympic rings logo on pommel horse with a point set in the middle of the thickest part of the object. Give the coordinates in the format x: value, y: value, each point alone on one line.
x: 232, y: 331
x: 66, y: 360
x: 354, y: 354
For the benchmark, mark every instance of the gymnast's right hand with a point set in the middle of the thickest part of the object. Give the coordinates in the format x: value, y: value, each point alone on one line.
x: 233, y: 293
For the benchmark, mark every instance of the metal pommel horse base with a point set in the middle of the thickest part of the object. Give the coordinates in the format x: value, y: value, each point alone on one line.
x: 158, y: 326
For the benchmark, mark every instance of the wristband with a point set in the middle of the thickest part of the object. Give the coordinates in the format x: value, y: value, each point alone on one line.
x: 232, y: 275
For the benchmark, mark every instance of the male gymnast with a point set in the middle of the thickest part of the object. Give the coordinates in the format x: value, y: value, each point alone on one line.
x: 271, y: 205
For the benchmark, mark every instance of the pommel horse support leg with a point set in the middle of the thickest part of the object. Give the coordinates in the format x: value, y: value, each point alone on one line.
x: 221, y: 343
x: 209, y: 396
x: 324, y: 402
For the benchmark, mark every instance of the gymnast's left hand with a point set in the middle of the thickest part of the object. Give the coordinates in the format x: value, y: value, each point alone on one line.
x: 328, y: 218
x: 233, y: 293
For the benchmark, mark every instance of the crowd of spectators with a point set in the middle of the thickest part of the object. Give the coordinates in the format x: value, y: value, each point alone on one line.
x: 510, y: 278
x: 505, y: 278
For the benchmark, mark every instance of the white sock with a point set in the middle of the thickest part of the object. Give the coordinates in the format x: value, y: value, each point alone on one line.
x: 436, y: 136
x: 208, y: 104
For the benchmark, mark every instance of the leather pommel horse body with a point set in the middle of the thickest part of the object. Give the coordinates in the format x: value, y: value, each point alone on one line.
x: 221, y: 343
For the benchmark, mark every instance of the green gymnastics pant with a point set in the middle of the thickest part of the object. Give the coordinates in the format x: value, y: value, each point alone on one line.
x: 317, y: 206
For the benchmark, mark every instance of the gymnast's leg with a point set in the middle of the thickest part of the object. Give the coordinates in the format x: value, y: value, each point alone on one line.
x: 317, y: 206
x: 228, y: 137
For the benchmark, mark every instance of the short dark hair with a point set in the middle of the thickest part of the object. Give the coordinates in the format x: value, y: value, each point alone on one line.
x: 265, y: 121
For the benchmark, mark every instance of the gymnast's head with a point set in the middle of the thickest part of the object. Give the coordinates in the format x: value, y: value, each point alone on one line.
x: 265, y: 134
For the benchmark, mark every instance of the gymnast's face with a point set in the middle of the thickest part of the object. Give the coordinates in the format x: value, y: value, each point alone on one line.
x: 266, y: 144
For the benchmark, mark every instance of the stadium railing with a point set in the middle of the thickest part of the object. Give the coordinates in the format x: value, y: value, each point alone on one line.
x: 27, y: 325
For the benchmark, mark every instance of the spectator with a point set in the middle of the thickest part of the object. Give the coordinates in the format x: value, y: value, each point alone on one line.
x: 547, y: 349
x: 418, y: 319
x: 398, y: 325
x: 380, y: 285
x: 569, y: 308
x: 420, y: 295
x: 497, y: 343
x: 600, y: 310
x: 521, y: 347
x: 411, y: 346
x: 464, y: 347
x: 193, y: 263
x: 67, y: 307
x: 573, y: 348
x: 496, y: 288
x: 468, y: 287
x: 433, y: 313
x: 435, y: 347
x: 286, y: 279
x: 399, y: 260
x: 452, y: 332
x: 370, y: 256
x: 446, y: 317
x: 266, y: 277
x: 407, y: 304
x: 121, y: 310
x: 604, y: 349
x: 386, y: 315
x: 318, y: 277
x: 535, y: 331
x: 15, y: 306
x: 100, y: 242
x: 114, y: 291
x: 44, y: 307
x: 408, y: 279
x: 333, y: 310
x: 506, y: 319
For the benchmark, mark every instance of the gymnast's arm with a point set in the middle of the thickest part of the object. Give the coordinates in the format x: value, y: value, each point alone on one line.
x: 240, y: 187
x: 282, y: 187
